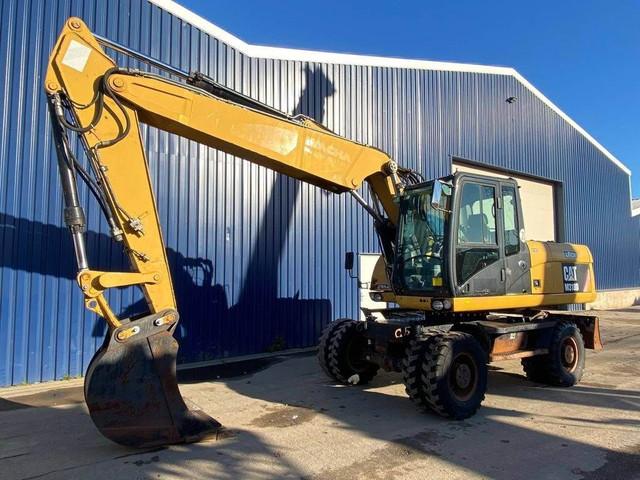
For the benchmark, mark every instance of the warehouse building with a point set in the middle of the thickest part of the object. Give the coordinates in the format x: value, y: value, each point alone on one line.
x: 257, y: 257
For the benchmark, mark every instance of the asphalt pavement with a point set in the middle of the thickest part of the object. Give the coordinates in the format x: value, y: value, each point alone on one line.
x: 285, y: 419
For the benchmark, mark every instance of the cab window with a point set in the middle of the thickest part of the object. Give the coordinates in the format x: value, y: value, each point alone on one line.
x: 477, y: 221
x: 510, y: 217
x: 477, y: 243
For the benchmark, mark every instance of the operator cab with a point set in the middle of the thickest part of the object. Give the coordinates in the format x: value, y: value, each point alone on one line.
x: 461, y: 235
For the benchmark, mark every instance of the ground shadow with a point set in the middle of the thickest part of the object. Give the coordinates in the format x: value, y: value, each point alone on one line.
x: 577, y: 395
x: 477, y: 444
x: 489, y: 445
x: 78, y: 451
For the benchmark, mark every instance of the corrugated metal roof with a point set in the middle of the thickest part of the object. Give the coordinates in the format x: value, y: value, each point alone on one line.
x: 261, y: 51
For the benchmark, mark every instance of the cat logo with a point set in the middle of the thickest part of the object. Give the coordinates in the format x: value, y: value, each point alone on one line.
x: 570, y: 277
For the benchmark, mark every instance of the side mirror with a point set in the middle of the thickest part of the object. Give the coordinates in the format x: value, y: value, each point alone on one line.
x: 439, y: 197
x: 436, y: 196
x: 348, y: 261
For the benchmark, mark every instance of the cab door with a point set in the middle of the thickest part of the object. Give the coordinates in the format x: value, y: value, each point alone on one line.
x: 516, y: 253
x: 479, y: 267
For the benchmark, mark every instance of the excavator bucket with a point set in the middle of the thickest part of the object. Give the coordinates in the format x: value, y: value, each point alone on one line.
x: 132, y: 392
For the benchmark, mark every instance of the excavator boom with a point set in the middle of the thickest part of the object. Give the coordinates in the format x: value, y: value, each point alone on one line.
x: 130, y: 386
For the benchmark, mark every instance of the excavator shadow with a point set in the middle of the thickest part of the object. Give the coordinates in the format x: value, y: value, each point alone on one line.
x: 218, y: 320
x: 61, y: 442
x: 209, y: 327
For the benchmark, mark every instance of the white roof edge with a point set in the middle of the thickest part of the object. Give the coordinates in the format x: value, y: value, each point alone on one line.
x: 278, y: 53
x: 571, y: 122
x: 634, y: 203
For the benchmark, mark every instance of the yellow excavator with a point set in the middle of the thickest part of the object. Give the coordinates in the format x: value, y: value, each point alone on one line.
x: 463, y: 285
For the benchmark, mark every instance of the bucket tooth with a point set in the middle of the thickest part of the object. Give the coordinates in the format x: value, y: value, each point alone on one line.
x: 131, y: 388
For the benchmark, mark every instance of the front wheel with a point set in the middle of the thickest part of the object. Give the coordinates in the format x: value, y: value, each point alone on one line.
x: 453, y: 377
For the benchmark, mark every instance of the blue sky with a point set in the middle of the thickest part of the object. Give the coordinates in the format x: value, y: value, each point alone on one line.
x: 583, y: 55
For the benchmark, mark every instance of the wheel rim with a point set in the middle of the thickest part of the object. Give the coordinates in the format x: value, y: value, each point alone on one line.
x: 569, y: 354
x: 463, y: 376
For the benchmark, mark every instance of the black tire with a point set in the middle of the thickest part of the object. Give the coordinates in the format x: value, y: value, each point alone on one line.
x: 341, y: 353
x: 325, y: 342
x: 535, y: 369
x: 454, y: 375
x: 412, y: 373
x: 563, y: 366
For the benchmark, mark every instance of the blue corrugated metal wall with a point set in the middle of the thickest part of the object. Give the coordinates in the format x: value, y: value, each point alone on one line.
x: 256, y: 256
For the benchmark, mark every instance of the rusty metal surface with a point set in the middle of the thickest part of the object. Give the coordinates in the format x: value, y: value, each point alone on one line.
x: 589, y: 326
x: 518, y: 354
x: 132, y: 393
x: 509, y: 342
x: 590, y: 330
x: 501, y: 327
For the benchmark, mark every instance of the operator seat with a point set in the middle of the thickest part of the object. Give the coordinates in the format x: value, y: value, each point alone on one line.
x: 476, y: 228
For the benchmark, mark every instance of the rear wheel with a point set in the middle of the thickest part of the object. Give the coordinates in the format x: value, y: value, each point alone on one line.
x: 342, y: 351
x: 325, y: 342
x: 563, y: 366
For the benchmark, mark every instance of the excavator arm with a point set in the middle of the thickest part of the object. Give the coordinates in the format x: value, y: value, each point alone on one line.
x: 130, y: 386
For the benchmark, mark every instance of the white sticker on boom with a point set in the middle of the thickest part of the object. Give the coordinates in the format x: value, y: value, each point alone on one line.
x: 76, y: 56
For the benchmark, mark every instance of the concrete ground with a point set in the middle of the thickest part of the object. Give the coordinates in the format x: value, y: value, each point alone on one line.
x: 288, y: 421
